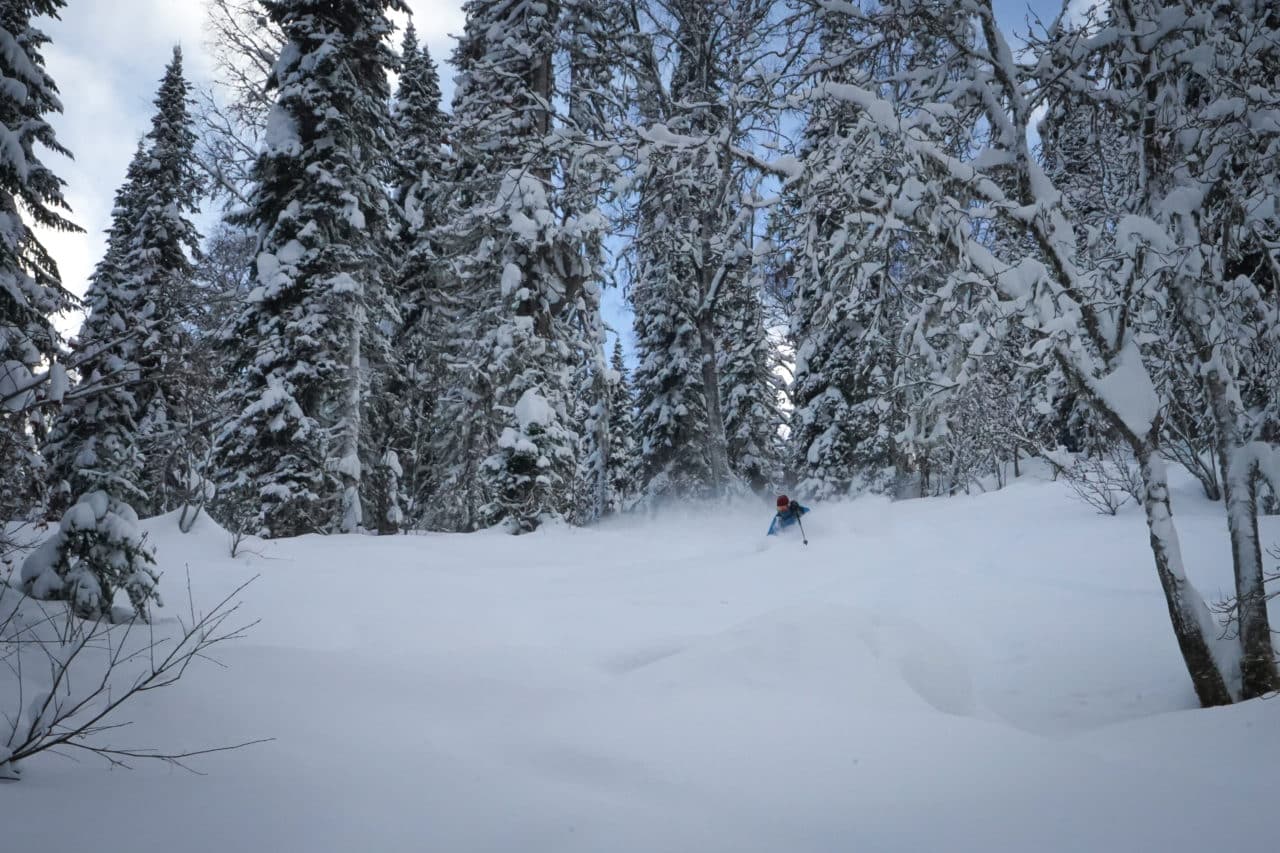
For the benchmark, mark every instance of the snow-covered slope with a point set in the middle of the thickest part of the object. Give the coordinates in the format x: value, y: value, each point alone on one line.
x: 988, y: 673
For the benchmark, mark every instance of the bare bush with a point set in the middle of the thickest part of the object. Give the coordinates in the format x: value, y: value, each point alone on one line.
x: 1106, y: 481
x: 65, y: 681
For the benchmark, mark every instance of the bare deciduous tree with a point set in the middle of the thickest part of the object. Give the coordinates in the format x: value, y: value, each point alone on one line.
x: 244, y: 43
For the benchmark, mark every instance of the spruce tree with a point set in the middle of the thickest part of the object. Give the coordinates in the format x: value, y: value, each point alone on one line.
x: 843, y: 319
x: 420, y: 129
x: 872, y: 346
x: 588, y: 168
x: 409, y: 386
x: 130, y: 436
x: 624, y: 459
x: 133, y: 397
x: 515, y: 280
x: 694, y: 220
x: 672, y: 421
x: 31, y: 290
x: 291, y: 458
x: 749, y: 386
x: 159, y: 260
x: 93, y: 444
x: 683, y: 450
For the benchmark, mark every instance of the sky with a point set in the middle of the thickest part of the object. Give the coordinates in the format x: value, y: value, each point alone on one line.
x: 107, y: 57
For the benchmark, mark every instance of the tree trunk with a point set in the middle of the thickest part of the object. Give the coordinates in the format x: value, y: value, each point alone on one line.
x: 600, y: 477
x: 1192, y: 621
x: 717, y: 441
x: 349, y: 459
x: 1240, y: 495
x: 1239, y: 491
x: 1193, y: 624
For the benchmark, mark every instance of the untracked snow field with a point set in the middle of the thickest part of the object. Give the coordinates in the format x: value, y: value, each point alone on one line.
x: 985, y: 673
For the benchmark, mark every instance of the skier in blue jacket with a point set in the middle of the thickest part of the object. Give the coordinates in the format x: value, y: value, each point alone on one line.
x: 789, y: 513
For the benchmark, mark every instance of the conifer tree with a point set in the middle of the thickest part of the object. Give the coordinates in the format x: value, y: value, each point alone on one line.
x: 749, y: 387
x: 159, y: 261
x: 592, y: 118
x: 683, y: 448
x: 844, y: 321
x: 31, y: 290
x: 409, y: 386
x: 93, y: 444
x: 127, y: 438
x: 292, y: 457
x: 516, y: 275
x: 673, y: 421
x: 623, y: 457
x: 420, y: 128
x: 694, y: 218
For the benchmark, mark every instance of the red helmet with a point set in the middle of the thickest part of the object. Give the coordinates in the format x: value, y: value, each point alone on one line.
x: 783, y: 501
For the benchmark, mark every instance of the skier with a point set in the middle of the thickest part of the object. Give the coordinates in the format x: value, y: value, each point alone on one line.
x: 789, y: 513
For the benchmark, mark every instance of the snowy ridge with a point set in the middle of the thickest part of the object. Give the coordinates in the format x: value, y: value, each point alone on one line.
x: 927, y: 675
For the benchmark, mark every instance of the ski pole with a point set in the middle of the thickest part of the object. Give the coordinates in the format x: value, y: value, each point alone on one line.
x: 802, y: 534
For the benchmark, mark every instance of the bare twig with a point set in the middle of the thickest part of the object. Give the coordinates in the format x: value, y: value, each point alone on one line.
x: 66, y: 715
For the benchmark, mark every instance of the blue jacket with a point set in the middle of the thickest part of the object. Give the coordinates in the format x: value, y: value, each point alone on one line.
x: 786, y: 518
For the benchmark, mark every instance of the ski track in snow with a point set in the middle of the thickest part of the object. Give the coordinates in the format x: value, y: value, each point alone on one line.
x: 985, y: 673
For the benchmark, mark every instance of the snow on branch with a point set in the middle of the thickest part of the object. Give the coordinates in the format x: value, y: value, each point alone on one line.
x: 1128, y: 391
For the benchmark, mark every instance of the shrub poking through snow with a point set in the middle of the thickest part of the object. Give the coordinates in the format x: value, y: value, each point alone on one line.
x: 67, y: 682
x: 1105, y: 482
x: 97, y: 550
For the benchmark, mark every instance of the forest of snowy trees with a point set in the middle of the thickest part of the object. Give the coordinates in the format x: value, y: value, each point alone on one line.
x: 884, y: 247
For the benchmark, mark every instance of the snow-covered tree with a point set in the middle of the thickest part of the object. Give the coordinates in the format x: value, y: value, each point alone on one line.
x: 1203, y: 235
x: 1178, y: 206
x: 93, y: 445
x: 291, y: 457
x: 408, y: 388
x: 163, y: 247
x: 97, y: 550
x: 684, y: 451
x: 420, y: 131
x: 673, y: 421
x: 130, y: 438
x: 516, y: 275
x: 220, y: 282
x: 588, y: 165
x: 533, y: 466
x: 31, y: 290
x: 624, y: 459
x: 749, y: 385
x: 1084, y: 315
x: 694, y: 218
x: 844, y: 280
x: 244, y: 43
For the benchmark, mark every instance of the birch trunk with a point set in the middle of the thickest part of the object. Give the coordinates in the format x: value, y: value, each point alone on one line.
x: 717, y: 440
x: 1192, y: 621
x: 1240, y: 495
